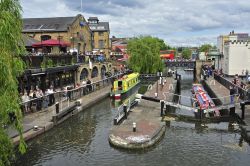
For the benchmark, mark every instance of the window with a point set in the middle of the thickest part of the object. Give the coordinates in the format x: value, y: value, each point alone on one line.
x: 45, y: 37
x: 101, y: 33
x: 101, y: 43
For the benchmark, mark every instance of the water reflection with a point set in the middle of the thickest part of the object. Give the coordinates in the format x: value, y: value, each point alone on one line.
x: 83, y: 140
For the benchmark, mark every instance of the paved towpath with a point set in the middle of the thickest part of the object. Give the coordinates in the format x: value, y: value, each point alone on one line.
x: 43, y: 119
x: 149, y: 127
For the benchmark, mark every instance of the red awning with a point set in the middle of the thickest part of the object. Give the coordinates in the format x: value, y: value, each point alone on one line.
x: 51, y: 42
x: 165, y: 56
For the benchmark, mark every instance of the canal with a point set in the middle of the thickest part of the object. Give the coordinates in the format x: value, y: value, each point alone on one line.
x: 83, y: 140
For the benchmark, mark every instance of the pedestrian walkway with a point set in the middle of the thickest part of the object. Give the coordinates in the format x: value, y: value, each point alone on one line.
x: 43, y: 119
x: 219, y: 90
x: 146, y: 115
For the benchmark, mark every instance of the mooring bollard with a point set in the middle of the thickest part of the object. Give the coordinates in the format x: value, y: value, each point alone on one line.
x: 125, y: 111
x: 57, y: 107
x: 134, y: 127
x: 232, y: 111
x: 162, y: 107
x: 242, y: 105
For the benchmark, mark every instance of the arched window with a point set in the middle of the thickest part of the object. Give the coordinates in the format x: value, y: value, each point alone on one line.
x: 84, y: 74
x: 94, y: 72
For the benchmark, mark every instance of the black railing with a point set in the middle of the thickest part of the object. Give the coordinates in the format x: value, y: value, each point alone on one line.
x: 244, y: 94
x: 45, y: 61
x: 65, y: 96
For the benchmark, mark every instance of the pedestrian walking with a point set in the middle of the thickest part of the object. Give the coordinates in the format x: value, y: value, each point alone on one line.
x: 232, y: 93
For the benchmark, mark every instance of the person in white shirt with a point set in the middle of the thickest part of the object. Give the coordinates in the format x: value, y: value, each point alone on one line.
x: 25, y: 98
x: 51, y: 96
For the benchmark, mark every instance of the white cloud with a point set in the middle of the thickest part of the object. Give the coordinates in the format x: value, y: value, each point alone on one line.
x: 163, y: 18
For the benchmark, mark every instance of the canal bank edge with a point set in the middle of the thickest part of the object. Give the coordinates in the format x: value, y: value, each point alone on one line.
x: 86, y: 101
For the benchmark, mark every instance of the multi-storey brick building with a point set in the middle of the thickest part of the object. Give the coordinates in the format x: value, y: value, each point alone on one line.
x: 101, y: 33
x: 73, y: 30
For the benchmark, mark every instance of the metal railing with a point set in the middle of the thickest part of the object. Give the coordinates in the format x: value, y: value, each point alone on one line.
x: 244, y: 94
x: 122, y: 110
x: 227, y: 101
x: 66, y: 96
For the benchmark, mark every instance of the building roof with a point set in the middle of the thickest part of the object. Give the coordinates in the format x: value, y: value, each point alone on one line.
x: 101, y: 26
x: 28, y: 41
x: 93, y: 18
x: 58, y: 24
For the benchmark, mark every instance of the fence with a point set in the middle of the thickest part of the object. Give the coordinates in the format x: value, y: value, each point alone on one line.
x: 122, y: 110
x: 190, y: 103
x: 64, y: 97
x: 244, y: 94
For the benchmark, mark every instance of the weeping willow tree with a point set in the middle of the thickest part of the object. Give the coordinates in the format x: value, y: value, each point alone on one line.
x: 145, y: 55
x: 11, y: 67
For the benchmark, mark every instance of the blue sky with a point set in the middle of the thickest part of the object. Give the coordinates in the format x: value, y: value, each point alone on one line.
x: 178, y: 22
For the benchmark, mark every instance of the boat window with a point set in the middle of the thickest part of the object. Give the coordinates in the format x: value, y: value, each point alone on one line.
x: 119, y: 85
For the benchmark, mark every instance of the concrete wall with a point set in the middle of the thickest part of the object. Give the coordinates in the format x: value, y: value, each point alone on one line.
x: 236, y: 57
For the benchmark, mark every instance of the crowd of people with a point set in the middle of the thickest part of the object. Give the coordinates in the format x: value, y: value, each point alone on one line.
x: 37, y: 98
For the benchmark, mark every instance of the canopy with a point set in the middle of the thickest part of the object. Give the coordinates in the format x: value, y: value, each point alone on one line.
x: 166, y: 56
x: 51, y: 42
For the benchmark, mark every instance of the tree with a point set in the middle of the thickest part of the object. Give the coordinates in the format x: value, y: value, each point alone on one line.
x: 11, y: 47
x: 186, y: 53
x: 205, y: 48
x: 162, y: 44
x: 145, y: 54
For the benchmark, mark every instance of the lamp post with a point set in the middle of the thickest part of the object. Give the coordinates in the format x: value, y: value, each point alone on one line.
x: 73, y: 41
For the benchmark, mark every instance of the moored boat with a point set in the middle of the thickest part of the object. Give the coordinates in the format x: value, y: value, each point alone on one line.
x: 202, y: 99
x: 125, y: 86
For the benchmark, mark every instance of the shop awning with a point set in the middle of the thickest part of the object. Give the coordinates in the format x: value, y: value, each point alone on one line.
x: 51, y: 43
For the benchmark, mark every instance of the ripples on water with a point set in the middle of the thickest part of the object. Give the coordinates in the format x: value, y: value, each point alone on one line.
x: 83, y: 140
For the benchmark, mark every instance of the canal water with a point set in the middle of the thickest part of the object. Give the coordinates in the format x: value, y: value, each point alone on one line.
x: 83, y: 140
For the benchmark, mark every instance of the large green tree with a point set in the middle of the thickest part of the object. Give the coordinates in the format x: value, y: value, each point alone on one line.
x: 186, y: 53
x: 205, y: 47
x: 11, y: 67
x: 162, y: 44
x: 144, y: 54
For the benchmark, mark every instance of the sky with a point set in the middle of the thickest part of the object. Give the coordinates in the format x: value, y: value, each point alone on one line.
x: 178, y: 22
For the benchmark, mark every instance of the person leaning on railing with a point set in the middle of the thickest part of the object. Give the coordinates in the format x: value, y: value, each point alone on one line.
x: 39, y: 95
x: 25, y: 100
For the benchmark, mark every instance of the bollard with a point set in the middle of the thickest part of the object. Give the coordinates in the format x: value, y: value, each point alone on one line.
x: 57, y: 107
x: 242, y: 105
x: 125, y: 111
x: 115, y: 122
x: 134, y: 127
x: 232, y: 111
x: 162, y: 107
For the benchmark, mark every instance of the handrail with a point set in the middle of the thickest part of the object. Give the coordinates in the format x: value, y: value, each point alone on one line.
x: 74, y: 93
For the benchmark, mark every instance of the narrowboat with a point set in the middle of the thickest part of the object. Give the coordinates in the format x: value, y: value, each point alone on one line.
x: 125, y: 86
x: 202, y: 99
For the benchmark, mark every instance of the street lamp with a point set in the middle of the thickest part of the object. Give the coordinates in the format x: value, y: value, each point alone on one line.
x: 73, y: 40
